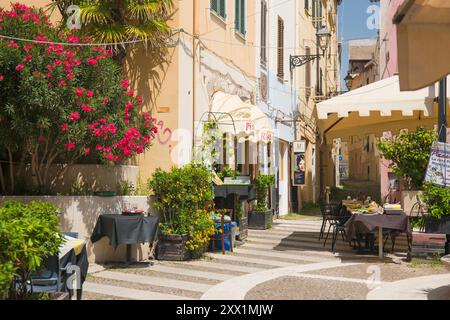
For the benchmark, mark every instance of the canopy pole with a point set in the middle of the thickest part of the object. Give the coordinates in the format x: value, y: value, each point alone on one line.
x: 442, y: 122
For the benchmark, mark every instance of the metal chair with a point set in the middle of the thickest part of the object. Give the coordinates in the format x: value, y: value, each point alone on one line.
x: 338, y: 223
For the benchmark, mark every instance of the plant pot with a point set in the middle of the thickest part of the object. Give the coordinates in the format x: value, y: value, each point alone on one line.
x: 59, y: 296
x: 441, y: 226
x: 260, y: 220
x: 172, y: 248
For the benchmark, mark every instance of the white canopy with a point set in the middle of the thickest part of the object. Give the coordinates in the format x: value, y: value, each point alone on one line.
x: 248, y: 119
x: 382, y: 96
x: 423, y: 38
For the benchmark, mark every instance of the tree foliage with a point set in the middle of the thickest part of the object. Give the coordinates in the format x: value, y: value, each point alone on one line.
x: 409, y: 153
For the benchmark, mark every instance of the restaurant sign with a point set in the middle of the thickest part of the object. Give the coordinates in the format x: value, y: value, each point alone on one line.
x: 438, y: 170
x: 298, y: 163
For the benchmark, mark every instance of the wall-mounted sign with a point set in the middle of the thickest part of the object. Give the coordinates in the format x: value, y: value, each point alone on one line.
x: 298, y: 163
x: 438, y: 171
x: 263, y: 87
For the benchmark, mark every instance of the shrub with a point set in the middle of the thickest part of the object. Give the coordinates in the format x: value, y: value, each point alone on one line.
x: 181, y: 196
x: 263, y: 183
x: 28, y: 234
x: 437, y: 199
x: 63, y: 102
x: 409, y: 154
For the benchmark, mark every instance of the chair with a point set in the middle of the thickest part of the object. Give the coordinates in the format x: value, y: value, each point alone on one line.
x: 331, y: 211
x: 338, y: 220
x: 221, y: 235
x: 325, y: 209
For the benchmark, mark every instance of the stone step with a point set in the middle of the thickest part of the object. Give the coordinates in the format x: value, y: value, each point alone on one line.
x: 241, y: 258
x: 155, y: 281
x: 127, y: 293
x: 222, y: 266
x: 278, y: 254
x: 288, y: 249
x: 189, y: 272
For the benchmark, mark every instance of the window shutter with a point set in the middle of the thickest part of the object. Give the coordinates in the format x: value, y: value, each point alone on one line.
x: 222, y: 12
x: 214, y: 5
x: 307, y: 5
x: 280, y: 45
x: 308, y: 73
x: 263, y: 31
x: 242, y: 16
x: 237, y: 16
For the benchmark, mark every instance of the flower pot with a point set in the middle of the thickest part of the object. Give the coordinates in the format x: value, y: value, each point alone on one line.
x: 433, y: 225
x: 59, y: 296
x: 260, y: 220
x: 172, y: 248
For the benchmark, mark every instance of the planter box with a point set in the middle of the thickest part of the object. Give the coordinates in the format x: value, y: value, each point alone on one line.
x: 172, y: 248
x: 425, y: 245
x: 260, y: 220
x: 59, y: 296
x: 433, y: 225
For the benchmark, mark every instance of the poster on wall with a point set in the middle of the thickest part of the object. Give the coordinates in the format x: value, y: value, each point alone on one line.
x: 298, y: 163
x: 438, y: 170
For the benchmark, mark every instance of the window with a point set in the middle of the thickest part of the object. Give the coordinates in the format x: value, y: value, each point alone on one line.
x: 218, y: 6
x: 307, y: 5
x: 264, y: 32
x: 280, y: 50
x: 308, y: 73
x: 317, y: 12
x: 239, y: 19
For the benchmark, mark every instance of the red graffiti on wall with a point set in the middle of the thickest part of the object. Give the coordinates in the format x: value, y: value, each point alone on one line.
x: 164, y: 134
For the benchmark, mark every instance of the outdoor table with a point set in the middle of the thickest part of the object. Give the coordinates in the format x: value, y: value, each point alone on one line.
x: 74, y: 252
x: 366, y: 223
x: 126, y: 229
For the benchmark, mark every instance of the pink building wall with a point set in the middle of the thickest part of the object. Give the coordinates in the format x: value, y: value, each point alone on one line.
x: 388, y: 64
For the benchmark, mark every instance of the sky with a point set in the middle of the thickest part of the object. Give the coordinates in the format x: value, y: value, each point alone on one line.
x: 353, y: 19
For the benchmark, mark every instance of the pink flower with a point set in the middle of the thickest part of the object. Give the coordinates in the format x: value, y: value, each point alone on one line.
x: 64, y: 127
x: 2, y: 78
x: 92, y: 62
x: 130, y: 93
x: 86, y: 108
x: 41, y: 139
x: 70, y: 76
x: 62, y: 83
x: 112, y: 128
x: 155, y: 130
x: 125, y: 84
x: 139, y: 99
x: 87, y: 151
x: 89, y: 94
x: 79, y: 92
x: 74, y: 116
x: 102, y: 120
x: 105, y: 101
x: 98, y: 147
x: 70, y: 146
x: 20, y: 67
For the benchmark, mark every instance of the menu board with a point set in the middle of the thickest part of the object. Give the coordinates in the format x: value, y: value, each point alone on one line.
x: 298, y: 163
x: 438, y: 171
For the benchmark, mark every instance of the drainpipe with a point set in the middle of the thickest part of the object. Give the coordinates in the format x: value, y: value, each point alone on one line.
x: 442, y: 122
x: 194, y: 84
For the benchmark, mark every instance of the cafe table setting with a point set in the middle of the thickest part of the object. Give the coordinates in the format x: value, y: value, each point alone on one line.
x: 368, y: 217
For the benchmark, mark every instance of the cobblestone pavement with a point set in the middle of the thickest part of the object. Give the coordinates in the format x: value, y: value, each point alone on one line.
x: 285, y: 262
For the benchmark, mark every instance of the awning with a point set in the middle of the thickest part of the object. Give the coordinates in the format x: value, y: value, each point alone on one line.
x: 423, y: 41
x: 382, y: 96
x: 248, y: 119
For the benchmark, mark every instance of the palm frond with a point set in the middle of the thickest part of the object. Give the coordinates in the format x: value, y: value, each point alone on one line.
x: 95, y: 13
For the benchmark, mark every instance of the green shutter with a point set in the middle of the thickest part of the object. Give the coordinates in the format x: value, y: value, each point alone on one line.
x: 240, y: 16
x: 218, y: 6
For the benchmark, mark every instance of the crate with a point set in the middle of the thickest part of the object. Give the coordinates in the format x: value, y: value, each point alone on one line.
x: 172, y: 248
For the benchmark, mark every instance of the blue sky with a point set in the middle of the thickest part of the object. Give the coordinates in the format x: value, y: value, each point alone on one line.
x: 353, y: 18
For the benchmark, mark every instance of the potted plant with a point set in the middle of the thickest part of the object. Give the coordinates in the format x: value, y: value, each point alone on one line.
x: 180, y: 197
x: 262, y: 217
x: 28, y: 234
x: 408, y: 154
x: 438, y: 202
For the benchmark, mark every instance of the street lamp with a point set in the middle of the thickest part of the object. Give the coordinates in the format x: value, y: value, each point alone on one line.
x: 323, y: 37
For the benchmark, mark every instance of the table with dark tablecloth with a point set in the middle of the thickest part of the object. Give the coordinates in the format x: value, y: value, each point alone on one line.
x: 123, y: 229
x: 366, y: 223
